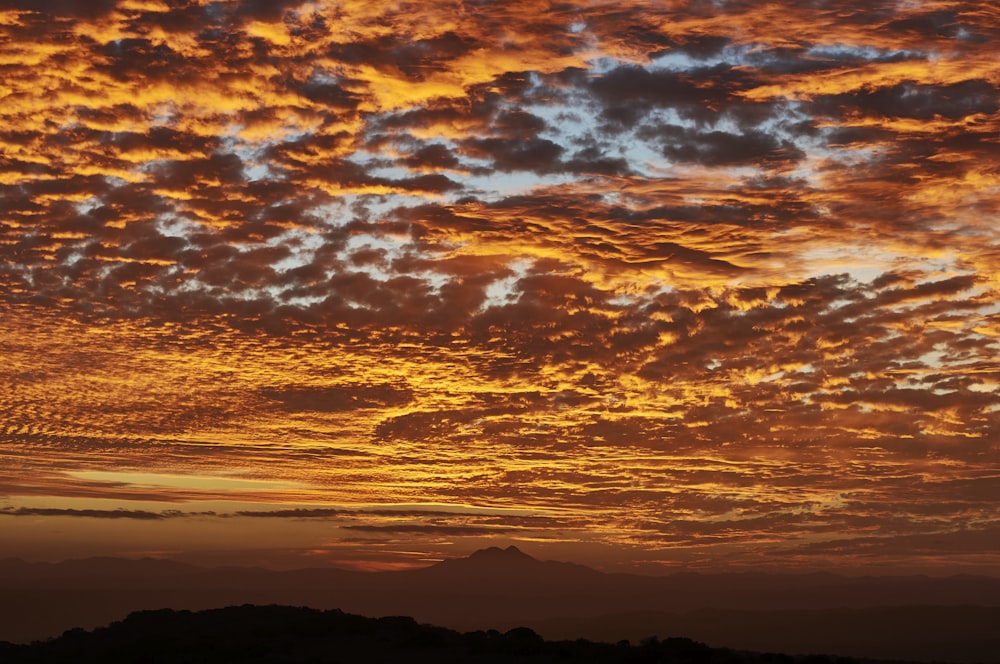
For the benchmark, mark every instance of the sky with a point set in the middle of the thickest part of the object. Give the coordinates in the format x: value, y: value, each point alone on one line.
x: 649, y: 286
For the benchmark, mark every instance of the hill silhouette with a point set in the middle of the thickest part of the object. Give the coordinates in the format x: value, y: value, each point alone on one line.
x: 966, y: 634
x: 502, y: 588
x: 258, y: 634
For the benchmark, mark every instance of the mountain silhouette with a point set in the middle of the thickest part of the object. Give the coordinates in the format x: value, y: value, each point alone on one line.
x: 501, y: 570
x: 492, y: 560
x: 259, y: 634
x: 498, y: 588
x: 496, y: 553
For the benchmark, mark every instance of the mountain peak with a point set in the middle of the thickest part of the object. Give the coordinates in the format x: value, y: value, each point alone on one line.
x: 496, y: 553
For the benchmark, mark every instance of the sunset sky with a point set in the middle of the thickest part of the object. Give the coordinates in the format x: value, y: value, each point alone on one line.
x: 646, y: 285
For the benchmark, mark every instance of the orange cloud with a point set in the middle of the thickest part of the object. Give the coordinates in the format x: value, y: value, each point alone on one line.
x: 671, y: 278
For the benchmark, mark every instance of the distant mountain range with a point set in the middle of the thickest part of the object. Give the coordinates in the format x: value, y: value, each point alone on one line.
x: 916, y: 618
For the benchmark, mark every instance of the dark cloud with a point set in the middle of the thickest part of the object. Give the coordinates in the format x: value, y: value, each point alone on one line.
x: 264, y: 10
x: 63, y: 8
x: 630, y: 92
x: 538, y: 155
x: 417, y: 529
x: 337, y: 399
x: 909, y: 99
x: 717, y: 148
x: 130, y: 58
x: 142, y: 515
x: 435, y: 155
x: 298, y: 513
x: 941, y: 23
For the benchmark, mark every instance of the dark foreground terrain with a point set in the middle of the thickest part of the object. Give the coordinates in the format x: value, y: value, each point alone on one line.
x: 921, y: 619
x: 912, y: 618
x: 249, y: 634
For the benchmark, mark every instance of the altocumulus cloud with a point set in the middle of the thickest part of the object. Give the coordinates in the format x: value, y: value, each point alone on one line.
x: 642, y: 269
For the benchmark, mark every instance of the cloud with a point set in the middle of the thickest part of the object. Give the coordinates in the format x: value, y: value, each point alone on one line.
x: 495, y: 256
x: 716, y: 148
x: 141, y: 515
x: 908, y: 100
x: 337, y: 399
x: 416, y: 529
x: 297, y: 513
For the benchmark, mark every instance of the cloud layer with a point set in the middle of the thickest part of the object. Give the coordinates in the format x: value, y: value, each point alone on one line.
x: 690, y: 281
